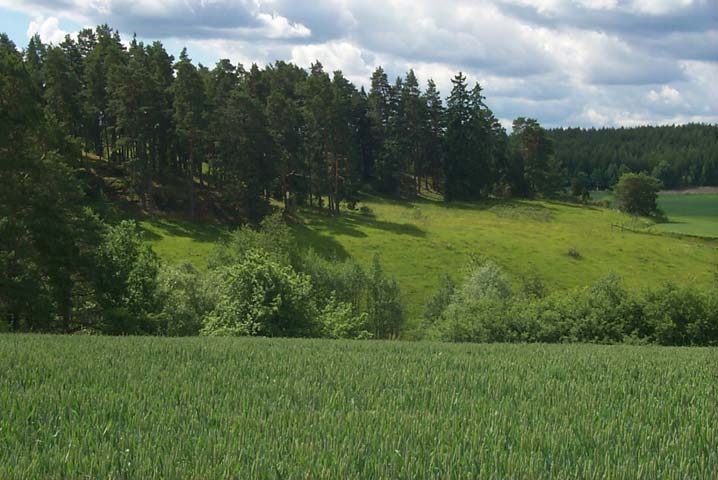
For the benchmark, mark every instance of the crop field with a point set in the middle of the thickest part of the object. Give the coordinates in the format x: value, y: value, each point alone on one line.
x: 94, y: 407
x: 692, y: 214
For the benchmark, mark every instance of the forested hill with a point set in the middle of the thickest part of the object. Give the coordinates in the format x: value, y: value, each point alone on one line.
x: 679, y: 155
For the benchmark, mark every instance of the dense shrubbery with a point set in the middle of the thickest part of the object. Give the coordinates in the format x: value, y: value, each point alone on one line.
x: 485, y: 309
x: 258, y: 284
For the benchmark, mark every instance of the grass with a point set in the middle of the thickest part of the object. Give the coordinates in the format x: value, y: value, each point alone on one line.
x: 693, y: 214
x: 177, y: 241
x: 421, y: 240
x: 98, y: 407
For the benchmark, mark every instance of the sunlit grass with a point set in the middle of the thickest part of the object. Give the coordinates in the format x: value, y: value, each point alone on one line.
x: 99, y: 407
x: 421, y: 240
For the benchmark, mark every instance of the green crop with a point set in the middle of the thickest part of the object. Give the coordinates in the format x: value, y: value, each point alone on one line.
x: 98, y: 407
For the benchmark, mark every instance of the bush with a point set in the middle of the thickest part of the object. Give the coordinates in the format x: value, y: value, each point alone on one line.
x: 185, y: 300
x: 484, y: 310
x: 346, y: 281
x: 384, y: 307
x: 338, y: 320
x: 440, y: 300
x: 260, y: 296
x: 637, y: 193
x: 682, y: 316
x: 126, y: 281
x: 274, y: 237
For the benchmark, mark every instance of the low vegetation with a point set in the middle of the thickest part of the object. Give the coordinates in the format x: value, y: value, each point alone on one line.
x: 98, y: 407
x: 485, y: 308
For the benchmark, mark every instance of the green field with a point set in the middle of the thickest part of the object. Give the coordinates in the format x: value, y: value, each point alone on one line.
x: 94, y: 407
x: 419, y: 241
x: 688, y: 214
x: 178, y: 241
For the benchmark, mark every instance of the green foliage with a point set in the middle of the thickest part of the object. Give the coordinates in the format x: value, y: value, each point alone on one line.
x: 185, y: 297
x: 259, y: 296
x: 441, y: 299
x: 126, y: 278
x: 678, y: 155
x: 273, y: 237
x: 385, y: 310
x: 339, y: 320
x: 484, y: 310
x: 637, y: 193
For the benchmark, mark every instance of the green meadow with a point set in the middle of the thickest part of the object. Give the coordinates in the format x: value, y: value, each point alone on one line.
x: 141, y: 407
x: 420, y: 240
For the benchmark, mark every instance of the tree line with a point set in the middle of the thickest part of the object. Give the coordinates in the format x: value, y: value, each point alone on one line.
x: 677, y: 155
x: 302, y: 137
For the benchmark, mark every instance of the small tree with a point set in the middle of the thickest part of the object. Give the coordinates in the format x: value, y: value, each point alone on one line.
x: 637, y: 193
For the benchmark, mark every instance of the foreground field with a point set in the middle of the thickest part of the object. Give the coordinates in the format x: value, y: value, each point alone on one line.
x: 257, y: 408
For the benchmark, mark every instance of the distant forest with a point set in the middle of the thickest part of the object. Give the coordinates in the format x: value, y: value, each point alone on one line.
x: 678, y: 155
x: 312, y: 137
x: 251, y: 133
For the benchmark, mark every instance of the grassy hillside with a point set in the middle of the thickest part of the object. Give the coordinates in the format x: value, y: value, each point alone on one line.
x: 258, y: 408
x: 418, y: 241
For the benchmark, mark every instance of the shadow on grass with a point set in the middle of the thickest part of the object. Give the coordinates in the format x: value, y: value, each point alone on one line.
x: 350, y: 224
x: 198, y: 232
x: 324, y: 245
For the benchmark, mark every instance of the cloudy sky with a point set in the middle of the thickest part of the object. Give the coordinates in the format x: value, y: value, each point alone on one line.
x: 565, y: 62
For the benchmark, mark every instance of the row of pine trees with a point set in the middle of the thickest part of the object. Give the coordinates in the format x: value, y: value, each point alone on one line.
x: 302, y: 137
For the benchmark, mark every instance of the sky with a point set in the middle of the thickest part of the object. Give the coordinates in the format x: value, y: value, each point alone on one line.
x: 589, y: 63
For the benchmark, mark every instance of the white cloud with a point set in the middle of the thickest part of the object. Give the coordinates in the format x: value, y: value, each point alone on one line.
x: 276, y: 26
x: 586, y: 62
x: 666, y: 94
x: 48, y: 29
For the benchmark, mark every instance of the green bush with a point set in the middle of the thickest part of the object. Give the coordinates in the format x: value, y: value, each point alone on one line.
x: 260, y: 296
x: 185, y: 298
x: 338, y: 320
x: 485, y: 310
x: 682, y: 316
x: 126, y: 281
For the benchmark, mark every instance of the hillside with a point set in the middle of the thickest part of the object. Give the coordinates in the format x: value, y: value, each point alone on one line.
x: 418, y: 241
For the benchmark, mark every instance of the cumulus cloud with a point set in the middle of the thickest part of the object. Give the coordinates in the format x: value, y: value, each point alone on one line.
x: 565, y: 62
x: 48, y: 29
x: 666, y: 94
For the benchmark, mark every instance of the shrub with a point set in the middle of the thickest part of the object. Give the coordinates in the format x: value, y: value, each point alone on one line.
x: 682, y: 316
x: 260, y: 296
x: 344, y: 280
x: 338, y: 320
x: 273, y: 237
x: 384, y: 307
x: 126, y: 280
x: 185, y: 300
x: 637, y: 193
x: 440, y: 300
